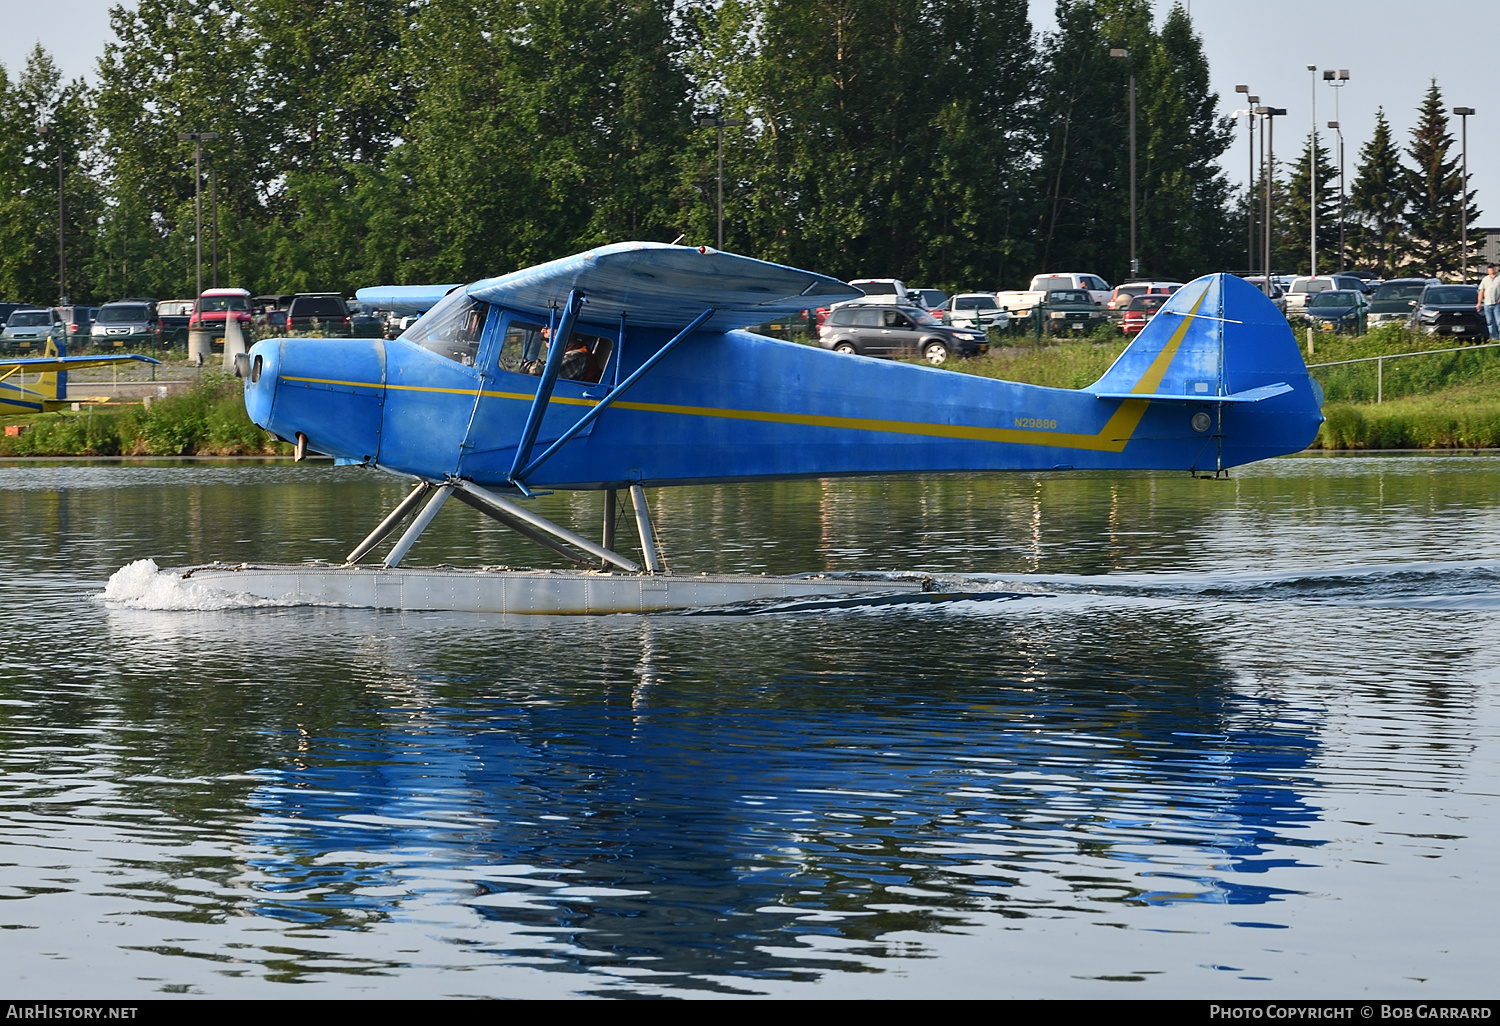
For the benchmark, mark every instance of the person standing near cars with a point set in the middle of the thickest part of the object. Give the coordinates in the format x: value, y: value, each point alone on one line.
x: 1489, y: 301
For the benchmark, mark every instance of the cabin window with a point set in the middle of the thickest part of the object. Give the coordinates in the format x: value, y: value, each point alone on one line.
x: 452, y: 328
x: 525, y: 352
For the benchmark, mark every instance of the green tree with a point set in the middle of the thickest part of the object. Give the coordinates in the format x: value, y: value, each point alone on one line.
x: 1185, y: 224
x: 46, y: 128
x: 1296, y: 211
x: 1437, y: 199
x: 182, y: 66
x: 1377, y: 202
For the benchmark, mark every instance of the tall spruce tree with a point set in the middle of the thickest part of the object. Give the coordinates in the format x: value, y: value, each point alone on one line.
x: 1437, y: 201
x: 1296, y: 211
x: 1377, y: 203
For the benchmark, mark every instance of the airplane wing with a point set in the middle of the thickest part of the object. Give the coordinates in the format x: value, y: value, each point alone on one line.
x: 655, y: 285
x: 48, y: 364
x: 404, y: 299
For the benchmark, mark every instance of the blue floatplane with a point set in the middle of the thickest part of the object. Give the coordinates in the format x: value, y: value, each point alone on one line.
x: 656, y: 382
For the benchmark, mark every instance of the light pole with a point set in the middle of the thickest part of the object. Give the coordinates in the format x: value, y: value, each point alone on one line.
x: 1135, y: 263
x: 1270, y: 114
x: 1312, y: 169
x: 198, y: 139
x: 1463, y: 192
x: 720, y: 124
x: 62, y: 252
x: 1249, y: 182
x: 1337, y: 80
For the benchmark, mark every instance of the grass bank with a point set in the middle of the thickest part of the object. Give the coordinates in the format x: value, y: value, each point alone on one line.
x: 208, y: 419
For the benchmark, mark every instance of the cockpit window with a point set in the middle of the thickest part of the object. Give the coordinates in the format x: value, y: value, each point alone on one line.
x: 452, y: 328
x: 525, y: 352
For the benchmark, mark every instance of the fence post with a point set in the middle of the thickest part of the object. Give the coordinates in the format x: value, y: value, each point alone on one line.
x: 1309, y: 340
x: 1380, y: 380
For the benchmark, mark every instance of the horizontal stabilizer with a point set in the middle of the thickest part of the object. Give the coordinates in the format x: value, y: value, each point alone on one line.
x: 403, y: 299
x: 47, y: 364
x: 654, y: 285
x: 1250, y: 395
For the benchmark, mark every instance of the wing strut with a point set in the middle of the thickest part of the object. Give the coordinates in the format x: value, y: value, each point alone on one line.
x: 555, y: 347
x: 614, y: 393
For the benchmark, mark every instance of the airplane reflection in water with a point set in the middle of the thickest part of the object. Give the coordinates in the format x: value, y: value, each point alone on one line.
x: 631, y: 818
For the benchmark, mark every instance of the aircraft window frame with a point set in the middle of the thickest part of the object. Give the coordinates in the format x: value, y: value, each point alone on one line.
x: 454, y: 328
x: 522, y: 349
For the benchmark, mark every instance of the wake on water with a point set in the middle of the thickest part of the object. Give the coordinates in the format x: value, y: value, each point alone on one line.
x: 1432, y: 585
x: 144, y: 585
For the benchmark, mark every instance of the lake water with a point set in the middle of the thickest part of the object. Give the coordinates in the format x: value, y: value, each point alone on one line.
x: 1225, y: 738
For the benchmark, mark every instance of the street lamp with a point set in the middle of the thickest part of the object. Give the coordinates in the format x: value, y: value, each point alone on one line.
x: 62, y: 253
x: 1463, y: 192
x: 1135, y: 263
x: 1337, y: 80
x: 1249, y: 182
x: 1270, y: 114
x: 1312, y: 169
x: 198, y: 139
x: 721, y: 124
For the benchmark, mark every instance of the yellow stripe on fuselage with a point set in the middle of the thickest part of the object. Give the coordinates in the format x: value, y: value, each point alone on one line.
x: 1112, y: 437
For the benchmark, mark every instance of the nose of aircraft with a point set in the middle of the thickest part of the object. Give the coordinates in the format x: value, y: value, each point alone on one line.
x: 329, y: 390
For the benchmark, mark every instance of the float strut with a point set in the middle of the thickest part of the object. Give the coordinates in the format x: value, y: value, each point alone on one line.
x: 643, y: 525
x: 406, y: 541
x: 522, y: 528
x: 389, y: 524
x: 525, y: 515
x: 610, y: 500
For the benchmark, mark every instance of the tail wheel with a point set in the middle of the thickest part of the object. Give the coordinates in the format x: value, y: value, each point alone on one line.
x: 935, y: 353
x: 847, y: 348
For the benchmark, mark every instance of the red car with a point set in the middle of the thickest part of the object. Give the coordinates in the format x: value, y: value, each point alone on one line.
x: 1140, y: 312
x: 216, y: 306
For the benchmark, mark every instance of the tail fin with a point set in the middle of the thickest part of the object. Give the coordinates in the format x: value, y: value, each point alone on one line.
x: 1219, y: 340
x: 53, y: 385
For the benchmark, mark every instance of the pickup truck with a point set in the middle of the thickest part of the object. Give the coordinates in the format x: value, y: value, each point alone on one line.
x: 1022, y: 304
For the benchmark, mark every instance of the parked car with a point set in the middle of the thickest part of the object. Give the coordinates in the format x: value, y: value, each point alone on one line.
x: 1338, y: 310
x: 126, y: 323
x: 6, y: 309
x: 28, y: 329
x: 931, y: 300
x: 881, y: 290
x: 216, y: 306
x: 1393, y: 301
x: 1119, y: 300
x: 1278, y: 294
x: 1304, y: 286
x: 1140, y: 312
x: 1450, y: 310
x: 896, y: 331
x: 1022, y: 304
x: 174, y: 315
x: 79, y: 320
x: 365, y: 323
x: 976, y: 310
x: 1065, y: 311
x: 262, y: 307
x: 323, y: 313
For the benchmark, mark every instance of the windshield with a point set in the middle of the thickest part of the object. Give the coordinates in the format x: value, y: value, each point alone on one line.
x: 122, y: 314
x: 219, y: 304
x: 877, y: 288
x: 1331, y: 299
x: 974, y: 303
x: 1451, y: 295
x: 922, y: 317
x: 1060, y: 296
x: 1302, y: 285
x: 1410, y: 290
x: 181, y: 308
x: 29, y: 319
x: 452, y: 328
